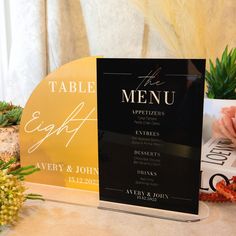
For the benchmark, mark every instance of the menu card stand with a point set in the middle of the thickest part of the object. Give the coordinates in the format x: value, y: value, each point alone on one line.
x: 158, y: 213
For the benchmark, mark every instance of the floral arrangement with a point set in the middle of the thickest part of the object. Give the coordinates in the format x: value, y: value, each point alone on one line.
x: 12, y: 191
x: 225, y: 127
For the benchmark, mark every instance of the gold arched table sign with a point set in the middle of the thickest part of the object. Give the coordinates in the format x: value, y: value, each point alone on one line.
x: 58, y: 130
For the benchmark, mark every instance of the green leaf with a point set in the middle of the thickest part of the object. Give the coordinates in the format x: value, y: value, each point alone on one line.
x: 23, y: 171
x: 224, y: 55
x: 33, y: 196
x: 8, y: 164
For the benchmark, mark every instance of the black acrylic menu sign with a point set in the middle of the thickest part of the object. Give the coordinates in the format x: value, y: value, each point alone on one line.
x: 150, y: 130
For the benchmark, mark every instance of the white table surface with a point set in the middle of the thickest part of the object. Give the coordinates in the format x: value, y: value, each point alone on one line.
x: 61, y: 219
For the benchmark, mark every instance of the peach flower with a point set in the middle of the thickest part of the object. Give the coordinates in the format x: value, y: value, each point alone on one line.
x: 225, y: 127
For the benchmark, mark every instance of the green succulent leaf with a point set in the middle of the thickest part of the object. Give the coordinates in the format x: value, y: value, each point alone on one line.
x: 9, y: 114
x: 221, y: 78
x: 224, y: 55
x: 4, y: 106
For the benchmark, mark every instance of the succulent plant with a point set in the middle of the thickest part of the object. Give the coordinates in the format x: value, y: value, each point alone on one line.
x: 221, y: 79
x: 9, y: 114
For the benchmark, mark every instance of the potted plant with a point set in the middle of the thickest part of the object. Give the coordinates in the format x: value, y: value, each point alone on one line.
x: 221, y: 78
x: 10, y: 116
x: 219, y: 127
x: 221, y: 93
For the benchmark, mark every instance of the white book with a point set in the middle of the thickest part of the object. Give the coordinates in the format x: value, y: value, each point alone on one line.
x: 218, y: 162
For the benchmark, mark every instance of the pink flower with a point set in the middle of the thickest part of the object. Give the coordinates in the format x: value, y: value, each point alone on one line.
x: 225, y: 127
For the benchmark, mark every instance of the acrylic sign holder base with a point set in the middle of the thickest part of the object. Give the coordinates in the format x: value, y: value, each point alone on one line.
x: 158, y: 213
x: 65, y: 195
x: 91, y: 199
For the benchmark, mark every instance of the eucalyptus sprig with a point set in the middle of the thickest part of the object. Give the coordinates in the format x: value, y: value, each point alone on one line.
x: 12, y: 190
x: 221, y: 78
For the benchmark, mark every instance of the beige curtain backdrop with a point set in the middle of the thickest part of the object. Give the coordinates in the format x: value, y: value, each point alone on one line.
x: 38, y: 36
